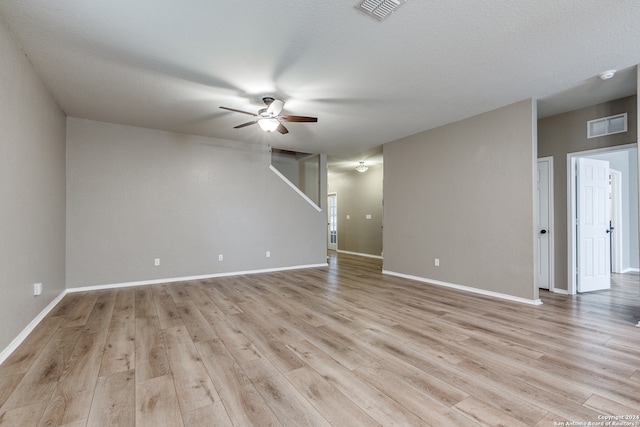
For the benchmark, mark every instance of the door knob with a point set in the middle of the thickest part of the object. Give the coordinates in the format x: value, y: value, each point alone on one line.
x: 543, y: 231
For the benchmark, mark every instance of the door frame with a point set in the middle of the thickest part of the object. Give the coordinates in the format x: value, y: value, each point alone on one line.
x: 571, y: 209
x: 329, y: 195
x: 617, y: 249
x: 550, y: 227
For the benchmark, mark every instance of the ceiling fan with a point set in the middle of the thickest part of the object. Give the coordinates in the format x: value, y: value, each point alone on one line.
x: 269, y: 118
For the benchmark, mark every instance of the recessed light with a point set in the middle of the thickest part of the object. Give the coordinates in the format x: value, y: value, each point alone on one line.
x: 606, y: 75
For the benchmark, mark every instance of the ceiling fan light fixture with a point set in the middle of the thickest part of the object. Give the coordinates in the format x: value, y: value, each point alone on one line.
x: 269, y: 118
x: 361, y: 167
x: 268, y: 125
x: 274, y: 105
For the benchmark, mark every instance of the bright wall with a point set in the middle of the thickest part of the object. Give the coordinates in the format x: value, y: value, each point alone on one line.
x: 32, y: 190
x: 463, y: 193
x: 135, y: 194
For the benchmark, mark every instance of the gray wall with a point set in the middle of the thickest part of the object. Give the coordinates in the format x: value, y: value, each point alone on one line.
x: 567, y: 133
x: 32, y: 190
x: 310, y: 171
x: 463, y: 193
x: 302, y: 170
x: 359, y: 194
x: 287, y: 163
x: 136, y: 194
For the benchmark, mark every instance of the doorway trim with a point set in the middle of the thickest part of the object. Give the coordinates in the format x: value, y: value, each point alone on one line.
x: 331, y: 212
x: 571, y: 208
x: 617, y: 250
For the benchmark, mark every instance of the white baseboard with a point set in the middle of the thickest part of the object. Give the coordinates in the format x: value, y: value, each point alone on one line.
x: 466, y: 288
x: 187, y: 278
x: 359, y: 254
x: 559, y: 291
x: 30, y: 327
x: 630, y: 270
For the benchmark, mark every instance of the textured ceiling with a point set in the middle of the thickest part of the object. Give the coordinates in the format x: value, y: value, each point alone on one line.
x: 169, y: 65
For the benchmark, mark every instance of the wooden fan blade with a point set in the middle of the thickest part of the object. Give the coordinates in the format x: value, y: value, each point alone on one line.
x: 282, y: 129
x: 299, y: 119
x: 239, y: 111
x: 245, y: 124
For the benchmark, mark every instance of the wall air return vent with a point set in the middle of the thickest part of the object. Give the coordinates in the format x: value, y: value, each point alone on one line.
x: 380, y: 9
x: 607, y: 125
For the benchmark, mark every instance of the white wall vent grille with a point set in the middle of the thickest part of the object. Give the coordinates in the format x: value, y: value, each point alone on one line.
x: 607, y: 125
x: 380, y: 9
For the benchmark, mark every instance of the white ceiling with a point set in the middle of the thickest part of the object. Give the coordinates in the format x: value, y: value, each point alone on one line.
x: 169, y: 65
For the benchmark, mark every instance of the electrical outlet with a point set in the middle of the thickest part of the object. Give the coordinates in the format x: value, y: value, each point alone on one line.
x: 436, y: 262
x: 156, y: 262
x: 37, y: 289
x: 268, y: 254
x: 220, y: 257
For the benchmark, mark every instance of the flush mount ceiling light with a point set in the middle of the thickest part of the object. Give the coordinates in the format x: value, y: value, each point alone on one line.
x: 361, y: 167
x: 380, y: 9
x: 606, y: 75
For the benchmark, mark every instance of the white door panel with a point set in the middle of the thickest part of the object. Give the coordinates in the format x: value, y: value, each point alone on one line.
x: 593, y: 223
x: 543, y: 239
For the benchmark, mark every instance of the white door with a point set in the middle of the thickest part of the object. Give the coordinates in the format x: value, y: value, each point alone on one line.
x: 543, y: 238
x: 332, y: 222
x: 593, y: 225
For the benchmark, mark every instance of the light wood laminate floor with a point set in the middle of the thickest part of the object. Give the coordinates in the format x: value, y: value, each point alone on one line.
x: 337, y: 346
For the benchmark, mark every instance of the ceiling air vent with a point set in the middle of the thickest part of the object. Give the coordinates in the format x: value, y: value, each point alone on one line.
x: 380, y: 9
x: 607, y: 125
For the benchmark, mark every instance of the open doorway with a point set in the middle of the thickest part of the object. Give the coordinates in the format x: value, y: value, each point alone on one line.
x: 355, y: 225
x: 618, y: 230
x: 332, y: 222
x: 602, y: 216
